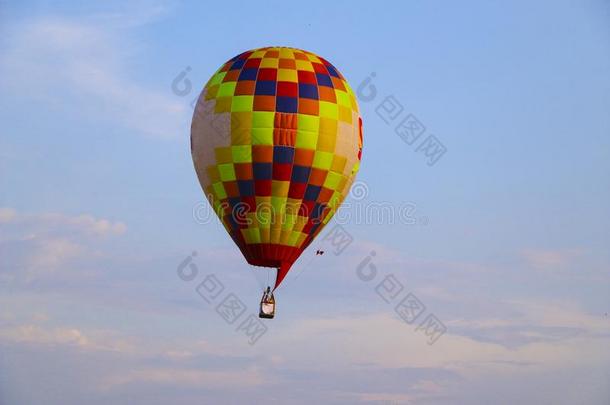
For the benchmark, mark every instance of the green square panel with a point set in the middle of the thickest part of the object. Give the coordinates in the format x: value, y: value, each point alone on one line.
x: 227, y: 172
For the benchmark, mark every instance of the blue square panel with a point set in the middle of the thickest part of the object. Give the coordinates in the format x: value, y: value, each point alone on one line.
x: 286, y: 104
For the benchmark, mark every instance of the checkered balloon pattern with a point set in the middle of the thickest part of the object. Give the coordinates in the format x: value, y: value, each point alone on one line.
x: 276, y: 140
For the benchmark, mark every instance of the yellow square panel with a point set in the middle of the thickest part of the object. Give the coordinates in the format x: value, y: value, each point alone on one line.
x: 219, y: 191
x: 345, y: 114
x: 241, y: 137
x: 263, y: 218
x: 299, y: 224
x: 338, y: 164
x: 292, y: 239
x: 343, y: 98
x: 241, y: 153
x: 241, y: 119
x: 213, y: 174
x: 251, y: 235
x: 269, y: 63
x: 321, y: 160
x: 242, y: 103
x: 262, y: 136
x: 275, y: 234
x: 279, y: 204
x: 263, y: 119
x: 284, y: 236
x: 328, y: 126
x: 265, y: 235
x: 223, y: 104
x: 326, y: 142
x: 313, y: 58
x: 329, y: 110
x: 308, y: 122
x: 227, y: 171
x: 263, y: 201
x: 301, y: 239
x: 223, y: 155
x: 292, y: 206
x: 353, y: 102
x: 306, y: 139
x: 304, y: 65
x: 280, y: 188
x: 227, y: 89
x: 287, y: 75
x: 211, y: 92
x: 289, y: 221
x: 286, y: 53
x: 216, y: 79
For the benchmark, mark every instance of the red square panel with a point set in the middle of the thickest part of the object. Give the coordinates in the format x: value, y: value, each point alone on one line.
x: 325, y: 195
x: 231, y: 188
x: 267, y: 74
x: 338, y: 83
x: 245, y: 88
x: 303, y: 157
x: 306, y: 208
x: 287, y: 89
x: 319, y: 68
x: 231, y: 76
x: 264, y: 103
x: 262, y: 188
x: 327, y: 94
x: 243, y: 171
x: 308, y: 226
x: 281, y: 171
x: 308, y: 106
x: 317, y: 176
x: 251, y: 63
x: 306, y: 77
x: 249, y: 203
x: 287, y: 64
x: 297, y: 190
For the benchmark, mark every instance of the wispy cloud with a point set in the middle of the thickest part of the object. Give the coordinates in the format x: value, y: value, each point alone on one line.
x: 51, y: 222
x: 545, y: 259
x: 79, y: 64
x: 187, y: 377
x: 34, y: 245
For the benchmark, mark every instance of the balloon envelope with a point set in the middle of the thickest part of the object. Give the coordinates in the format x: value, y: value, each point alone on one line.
x: 276, y: 140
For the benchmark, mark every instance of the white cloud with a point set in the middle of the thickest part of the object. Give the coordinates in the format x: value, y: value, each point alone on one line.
x: 37, y: 335
x: 389, y: 343
x: 35, y: 245
x: 97, y: 340
x: 50, y: 222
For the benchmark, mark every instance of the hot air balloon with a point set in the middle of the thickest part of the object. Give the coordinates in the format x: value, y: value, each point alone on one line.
x: 276, y: 141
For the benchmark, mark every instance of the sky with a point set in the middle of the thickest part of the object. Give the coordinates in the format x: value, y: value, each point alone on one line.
x: 113, y: 272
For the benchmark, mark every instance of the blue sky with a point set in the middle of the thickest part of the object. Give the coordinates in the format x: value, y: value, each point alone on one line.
x: 508, y: 249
